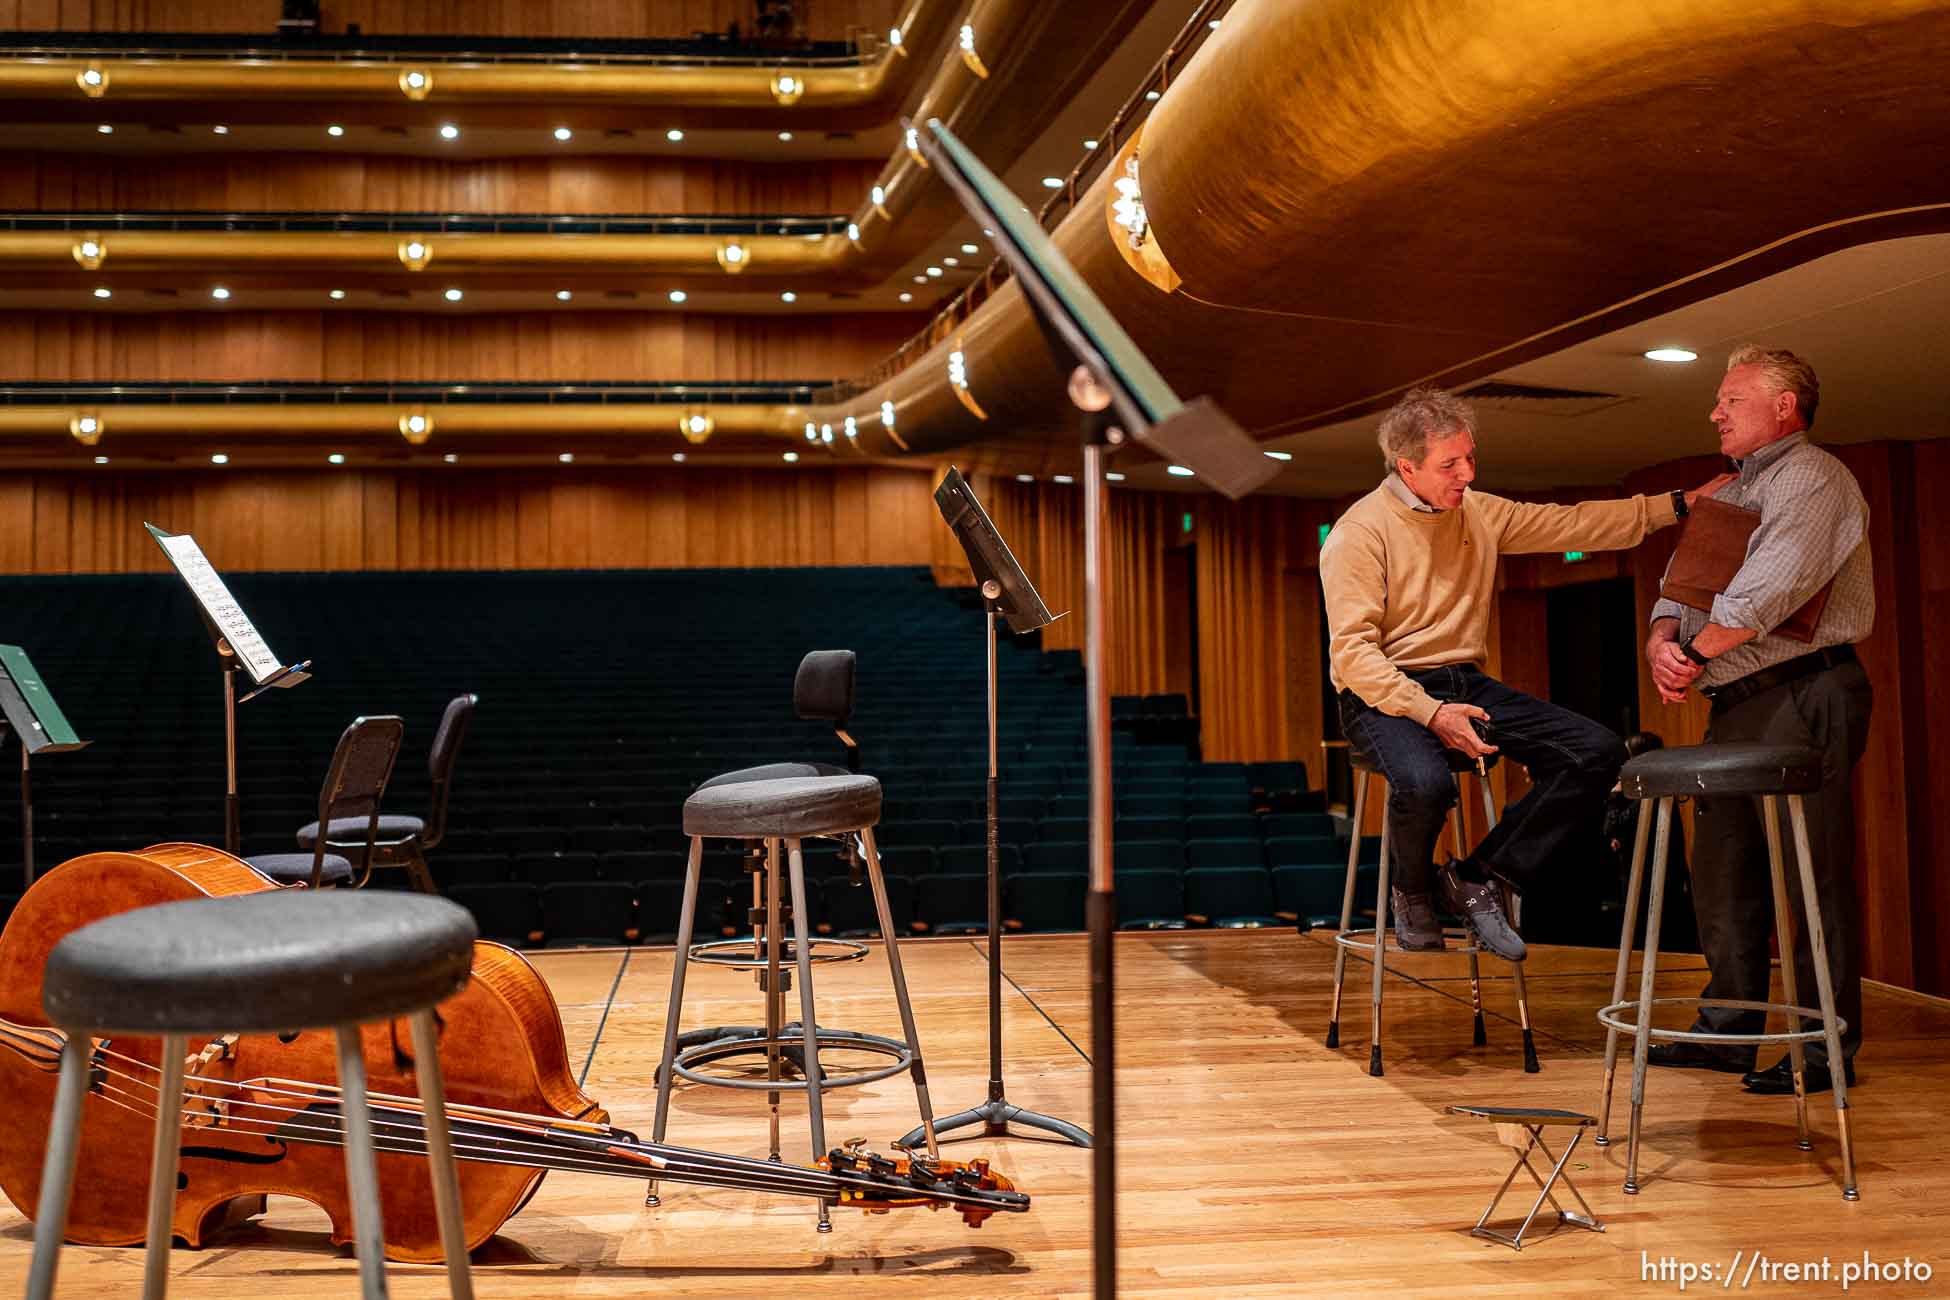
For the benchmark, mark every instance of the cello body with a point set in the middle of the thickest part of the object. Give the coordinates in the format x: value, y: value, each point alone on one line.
x: 502, y: 1049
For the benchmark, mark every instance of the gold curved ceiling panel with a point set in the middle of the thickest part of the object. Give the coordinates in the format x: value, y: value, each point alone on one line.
x: 1364, y: 194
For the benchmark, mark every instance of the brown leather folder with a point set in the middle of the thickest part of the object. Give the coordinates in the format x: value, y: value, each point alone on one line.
x: 1712, y: 547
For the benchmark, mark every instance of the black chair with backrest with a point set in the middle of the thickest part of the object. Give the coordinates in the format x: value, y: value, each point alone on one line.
x: 402, y: 840
x: 354, y: 784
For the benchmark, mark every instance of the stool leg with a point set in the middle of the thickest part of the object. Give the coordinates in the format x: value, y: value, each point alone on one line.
x: 440, y: 1154
x: 1784, y: 929
x: 1478, y: 1037
x: 1825, y: 986
x: 1627, y: 936
x: 57, y: 1168
x: 808, y: 1031
x: 667, y: 1071
x: 361, y: 1170
x: 774, y: 995
x: 1514, y: 906
x: 1642, y: 1038
x: 886, y: 914
x: 1380, y: 948
x: 1347, y: 905
x: 164, y: 1155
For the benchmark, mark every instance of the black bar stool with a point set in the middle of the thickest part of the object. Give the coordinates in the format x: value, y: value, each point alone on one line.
x: 1772, y: 772
x: 786, y: 812
x: 1373, y: 942
x: 260, y: 964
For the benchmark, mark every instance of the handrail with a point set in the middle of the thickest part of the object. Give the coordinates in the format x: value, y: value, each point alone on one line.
x: 279, y: 392
x: 527, y: 223
x: 1135, y: 109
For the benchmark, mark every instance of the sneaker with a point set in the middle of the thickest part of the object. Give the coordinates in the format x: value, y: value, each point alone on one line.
x: 1416, y: 929
x: 1481, y: 905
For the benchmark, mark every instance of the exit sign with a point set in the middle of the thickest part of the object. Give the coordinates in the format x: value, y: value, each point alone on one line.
x: 1575, y: 557
x: 1324, y: 530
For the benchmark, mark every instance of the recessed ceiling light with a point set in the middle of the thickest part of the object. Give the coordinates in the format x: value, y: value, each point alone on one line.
x: 1214, y: 24
x: 785, y: 137
x: 1025, y: 478
x: 788, y: 296
x: 1063, y: 478
x: 970, y: 248
x: 1052, y: 182
x: 335, y: 130
x: 563, y: 295
x: 450, y: 457
x: 906, y: 296
x: 416, y: 79
x: 677, y: 456
x: 92, y: 77
x: 567, y: 458
x: 951, y: 261
x: 448, y: 131
x: 1279, y: 455
x: 935, y: 273
x: 219, y: 129
x: 337, y: 295
x: 1178, y: 471
x: 220, y: 293
x: 105, y: 129
x: 336, y: 458
x: 453, y: 295
x: 564, y: 133
x: 989, y: 233
x: 1674, y: 355
x: 1114, y: 478
x: 219, y: 459
x: 678, y: 295
x: 1090, y: 144
x: 920, y: 279
x: 674, y: 135
x: 1151, y: 95
x: 103, y: 291
x: 101, y: 460
x: 790, y: 458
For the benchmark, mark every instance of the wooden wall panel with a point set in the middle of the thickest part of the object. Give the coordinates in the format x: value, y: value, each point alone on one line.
x: 409, y: 519
x: 825, y: 19
x: 351, y: 347
x: 318, y: 182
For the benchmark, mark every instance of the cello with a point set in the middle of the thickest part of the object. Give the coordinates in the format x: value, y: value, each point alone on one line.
x: 261, y: 1111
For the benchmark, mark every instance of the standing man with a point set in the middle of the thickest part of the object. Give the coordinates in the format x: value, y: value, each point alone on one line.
x: 1409, y: 573
x: 1813, y: 531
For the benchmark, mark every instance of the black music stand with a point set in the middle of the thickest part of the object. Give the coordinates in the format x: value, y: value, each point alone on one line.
x: 238, y: 645
x: 29, y: 709
x: 1006, y: 590
x: 1118, y: 394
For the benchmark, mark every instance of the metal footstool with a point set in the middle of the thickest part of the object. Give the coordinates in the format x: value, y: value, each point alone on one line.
x: 260, y: 964
x: 786, y: 812
x: 1770, y: 772
x: 1365, y: 941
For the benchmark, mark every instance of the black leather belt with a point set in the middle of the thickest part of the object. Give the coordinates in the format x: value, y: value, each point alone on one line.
x: 1742, y: 689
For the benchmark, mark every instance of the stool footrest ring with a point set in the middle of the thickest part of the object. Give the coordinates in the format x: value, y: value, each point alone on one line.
x: 688, y: 1060
x: 1362, y: 940
x: 1615, y: 1017
x: 737, y: 953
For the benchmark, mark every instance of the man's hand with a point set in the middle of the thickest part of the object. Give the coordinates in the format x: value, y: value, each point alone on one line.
x: 1672, y: 671
x: 1708, y: 488
x: 1451, y: 726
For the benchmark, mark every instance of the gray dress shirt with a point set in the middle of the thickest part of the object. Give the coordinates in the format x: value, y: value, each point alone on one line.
x: 1814, y: 526
x: 1408, y: 498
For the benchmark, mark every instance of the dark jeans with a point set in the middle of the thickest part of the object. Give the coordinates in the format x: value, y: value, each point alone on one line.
x: 1732, y: 889
x: 1572, y: 762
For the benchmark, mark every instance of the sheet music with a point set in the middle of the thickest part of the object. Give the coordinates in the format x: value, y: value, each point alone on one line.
x: 207, y: 586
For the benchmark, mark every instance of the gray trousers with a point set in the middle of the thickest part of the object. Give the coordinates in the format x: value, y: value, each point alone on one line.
x: 1732, y: 893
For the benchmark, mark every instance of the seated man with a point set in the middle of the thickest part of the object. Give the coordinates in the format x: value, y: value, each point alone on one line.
x: 1408, y: 574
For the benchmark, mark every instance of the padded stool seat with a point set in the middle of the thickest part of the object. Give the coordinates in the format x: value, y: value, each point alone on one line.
x: 296, y: 868
x: 1722, y: 769
x: 785, y: 809
x: 260, y: 963
x: 776, y: 772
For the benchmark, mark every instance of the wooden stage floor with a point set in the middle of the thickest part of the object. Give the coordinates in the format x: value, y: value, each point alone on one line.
x: 1253, y: 1160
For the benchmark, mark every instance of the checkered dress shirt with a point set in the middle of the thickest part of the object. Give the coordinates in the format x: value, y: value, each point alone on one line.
x: 1814, y: 526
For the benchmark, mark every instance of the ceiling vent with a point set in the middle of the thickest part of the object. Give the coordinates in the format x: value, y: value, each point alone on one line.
x: 1538, y: 399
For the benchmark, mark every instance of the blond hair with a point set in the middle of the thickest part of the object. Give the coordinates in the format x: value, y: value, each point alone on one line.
x: 1786, y: 373
x: 1421, y: 414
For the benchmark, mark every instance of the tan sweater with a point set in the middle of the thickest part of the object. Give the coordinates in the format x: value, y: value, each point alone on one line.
x: 1408, y: 590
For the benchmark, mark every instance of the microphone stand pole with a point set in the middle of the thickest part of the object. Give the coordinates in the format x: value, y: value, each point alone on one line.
x: 997, y: 1113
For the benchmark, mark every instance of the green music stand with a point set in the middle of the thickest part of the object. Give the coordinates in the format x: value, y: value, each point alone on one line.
x: 43, y: 729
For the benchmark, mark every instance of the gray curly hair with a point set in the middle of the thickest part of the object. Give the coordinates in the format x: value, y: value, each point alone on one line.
x: 1787, y: 373
x: 1422, y: 413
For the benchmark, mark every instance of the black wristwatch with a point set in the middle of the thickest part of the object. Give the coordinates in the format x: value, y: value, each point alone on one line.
x: 1686, y: 648
x: 1679, y: 506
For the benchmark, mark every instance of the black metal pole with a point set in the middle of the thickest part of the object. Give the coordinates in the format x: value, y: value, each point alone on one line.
x: 26, y: 813
x: 232, y: 821
x: 991, y: 590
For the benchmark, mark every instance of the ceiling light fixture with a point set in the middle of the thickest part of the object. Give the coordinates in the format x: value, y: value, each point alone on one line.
x: 567, y: 458
x: 1127, y: 210
x: 1025, y: 478
x: 958, y: 380
x: 336, y: 458
x: 787, y: 86
x: 219, y: 129
x: 788, y: 296
x: 220, y: 293
x: 850, y: 427
x: 414, y: 254
x: 90, y: 252
x: 894, y: 39
x: 1090, y: 144
x: 950, y: 261
x: 451, y: 458
x: 935, y: 273
x: 92, y: 79
x: 920, y: 279
x: 105, y: 129
x: 785, y: 137
x: 677, y: 456
x: 219, y: 459
x: 1279, y: 455
x: 564, y: 134
x: 678, y: 295
x: 1178, y: 471
x: 453, y: 295
x: 733, y: 257
x: 1052, y: 182
x: 812, y: 432
x: 906, y: 296
x: 416, y: 427
x: 416, y: 83
x: 790, y: 458
x: 563, y: 295
x: 1675, y: 356
x: 674, y: 135
x: 448, y: 131
x: 970, y: 248
x: 1114, y: 478
x: 101, y: 460
x: 102, y: 291
x: 968, y: 55
x: 887, y: 416
x: 853, y: 232
x: 86, y: 428
x: 1062, y: 478
x: 696, y: 426
x: 826, y: 434
x: 335, y: 130
x: 1151, y: 96
x: 877, y: 196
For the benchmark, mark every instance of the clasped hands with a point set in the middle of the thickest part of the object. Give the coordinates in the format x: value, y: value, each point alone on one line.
x: 1673, y: 673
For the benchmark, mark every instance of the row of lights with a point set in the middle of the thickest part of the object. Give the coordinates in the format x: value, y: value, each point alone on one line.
x: 222, y: 294
x: 448, y: 131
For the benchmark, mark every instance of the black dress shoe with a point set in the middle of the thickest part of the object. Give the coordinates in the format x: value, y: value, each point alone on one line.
x: 1777, y: 1080
x: 1698, y: 1056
